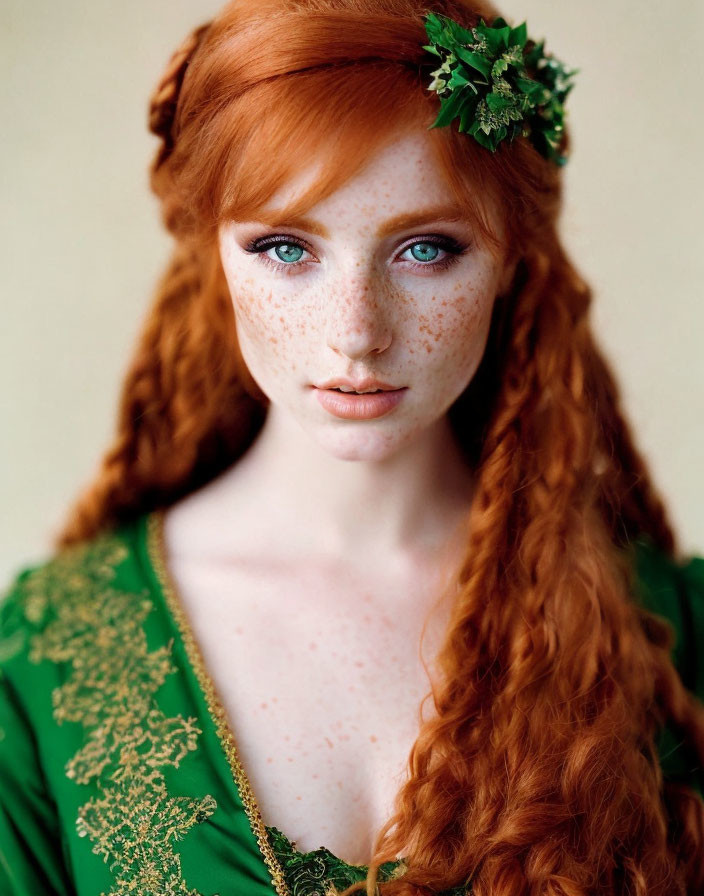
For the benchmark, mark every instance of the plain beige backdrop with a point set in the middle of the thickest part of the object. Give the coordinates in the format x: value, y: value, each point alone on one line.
x: 82, y: 245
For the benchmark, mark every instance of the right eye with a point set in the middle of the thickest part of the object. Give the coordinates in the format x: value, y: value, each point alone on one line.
x: 288, y: 251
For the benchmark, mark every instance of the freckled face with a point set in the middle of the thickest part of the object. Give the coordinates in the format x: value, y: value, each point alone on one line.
x: 357, y: 295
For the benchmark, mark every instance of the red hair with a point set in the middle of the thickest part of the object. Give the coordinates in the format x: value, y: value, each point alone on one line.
x: 538, y: 771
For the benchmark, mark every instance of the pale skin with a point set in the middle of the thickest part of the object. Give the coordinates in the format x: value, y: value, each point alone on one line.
x: 309, y: 567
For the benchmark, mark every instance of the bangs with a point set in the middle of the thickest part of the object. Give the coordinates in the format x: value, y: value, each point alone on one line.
x: 320, y: 119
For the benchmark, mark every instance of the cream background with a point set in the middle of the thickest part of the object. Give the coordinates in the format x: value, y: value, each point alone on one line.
x: 82, y: 245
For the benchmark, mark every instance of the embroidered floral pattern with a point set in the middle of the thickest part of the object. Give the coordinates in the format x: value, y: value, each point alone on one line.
x: 319, y: 872
x: 81, y: 618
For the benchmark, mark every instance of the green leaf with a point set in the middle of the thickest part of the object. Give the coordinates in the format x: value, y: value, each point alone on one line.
x: 514, y: 57
x: 466, y: 119
x: 468, y: 116
x: 485, y: 140
x: 535, y: 54
x: 497, y: 39
x: 519, y: 35
x: 450, y: 108
x: 432, y: 50
x: 498, y: 103
x: 458, y: 79
x: 433, y: 27
x: 532, y: 89
x: 498, y: 68
x: 482, y: 65
x: 459, y: 34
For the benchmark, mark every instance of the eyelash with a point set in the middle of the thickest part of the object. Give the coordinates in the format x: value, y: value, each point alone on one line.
x: 448, y: 244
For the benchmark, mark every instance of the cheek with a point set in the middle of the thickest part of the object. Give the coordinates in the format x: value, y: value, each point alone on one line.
x: 456, y: 322
x: 271, y: 334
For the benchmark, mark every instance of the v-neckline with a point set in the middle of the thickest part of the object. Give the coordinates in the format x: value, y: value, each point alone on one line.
x: 156, y: 556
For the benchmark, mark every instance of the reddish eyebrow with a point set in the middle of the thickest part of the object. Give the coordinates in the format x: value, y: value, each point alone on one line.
x: 405, y: 221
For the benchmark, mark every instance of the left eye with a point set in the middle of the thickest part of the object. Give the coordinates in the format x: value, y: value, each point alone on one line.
x: 423, y: 251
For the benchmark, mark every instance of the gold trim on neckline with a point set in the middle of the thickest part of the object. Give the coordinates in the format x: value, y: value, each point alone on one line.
x: 156, y: 550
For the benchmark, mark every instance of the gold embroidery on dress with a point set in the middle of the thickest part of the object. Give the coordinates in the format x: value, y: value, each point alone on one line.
x: 110, y: 690
x: 157, y: 555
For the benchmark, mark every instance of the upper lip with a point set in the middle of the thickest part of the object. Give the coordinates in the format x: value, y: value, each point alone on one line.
x: 358, y: 385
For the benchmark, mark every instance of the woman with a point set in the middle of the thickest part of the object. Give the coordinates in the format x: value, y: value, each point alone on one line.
x: 264, y: 555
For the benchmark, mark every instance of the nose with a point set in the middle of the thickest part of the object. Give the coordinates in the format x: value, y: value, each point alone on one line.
x: 357, y: 321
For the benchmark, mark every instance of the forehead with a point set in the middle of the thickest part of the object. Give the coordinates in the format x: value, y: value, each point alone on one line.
x: 400, y: 185
x: 402, y: 174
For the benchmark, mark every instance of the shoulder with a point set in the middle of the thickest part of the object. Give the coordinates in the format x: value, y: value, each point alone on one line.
x: 47, y: 603
x: 673, y: 589
x: 51, y: 623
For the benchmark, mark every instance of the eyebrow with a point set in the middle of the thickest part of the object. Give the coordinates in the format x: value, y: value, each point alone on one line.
x: 404, y: 221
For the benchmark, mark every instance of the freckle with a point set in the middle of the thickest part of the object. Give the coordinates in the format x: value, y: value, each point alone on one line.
x: 339, y: 784
x: 359, y: 664
x: 373, y: 738
x: 287, y: 737
x: 367, y: 617
x: 264, y: 705
x: 316, y: 776
x: 238, y: 629
x: 274, y: 699
x: 313, y: 645
x: 351, y: 688
x: 269, y: 759
x: 298, y: 797
x: 329, y: 742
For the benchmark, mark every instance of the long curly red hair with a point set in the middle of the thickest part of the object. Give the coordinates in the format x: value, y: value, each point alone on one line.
x: 538, y: 773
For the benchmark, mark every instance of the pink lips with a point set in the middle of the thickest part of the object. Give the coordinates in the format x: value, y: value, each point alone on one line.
x: 351, y: 406
x: 366, y: 385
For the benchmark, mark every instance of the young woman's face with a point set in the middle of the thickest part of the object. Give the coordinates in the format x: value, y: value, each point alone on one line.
x: 376, y: 283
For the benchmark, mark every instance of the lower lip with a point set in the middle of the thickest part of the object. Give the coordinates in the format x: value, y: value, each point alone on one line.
x: 359, y: 407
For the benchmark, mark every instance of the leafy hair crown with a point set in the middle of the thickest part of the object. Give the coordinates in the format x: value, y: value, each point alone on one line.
x: 499, y: 83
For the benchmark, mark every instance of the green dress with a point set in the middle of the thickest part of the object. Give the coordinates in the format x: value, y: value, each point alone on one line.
x: 119, y: 773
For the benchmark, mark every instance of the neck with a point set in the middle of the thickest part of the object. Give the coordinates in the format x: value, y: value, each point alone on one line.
x: 410, y: 505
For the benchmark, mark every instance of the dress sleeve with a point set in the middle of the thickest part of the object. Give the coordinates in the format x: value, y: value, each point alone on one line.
x: 31, y: 852
x: 675, y: 591
x: 692, y: 597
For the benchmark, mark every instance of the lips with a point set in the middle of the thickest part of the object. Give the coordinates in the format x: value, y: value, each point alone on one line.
x: 353, y: 406
x: 366, y: 385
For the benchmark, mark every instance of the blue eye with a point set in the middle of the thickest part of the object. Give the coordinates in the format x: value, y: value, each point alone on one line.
x: 289, y: 252
x: 426, y: 252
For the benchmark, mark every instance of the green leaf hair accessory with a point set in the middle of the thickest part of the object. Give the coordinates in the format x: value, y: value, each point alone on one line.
x: 499, y: 83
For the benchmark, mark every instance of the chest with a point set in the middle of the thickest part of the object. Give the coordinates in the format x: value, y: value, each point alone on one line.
x: 322, y: 681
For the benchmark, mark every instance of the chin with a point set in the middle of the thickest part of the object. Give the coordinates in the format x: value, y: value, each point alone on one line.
x: 370, y: 447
